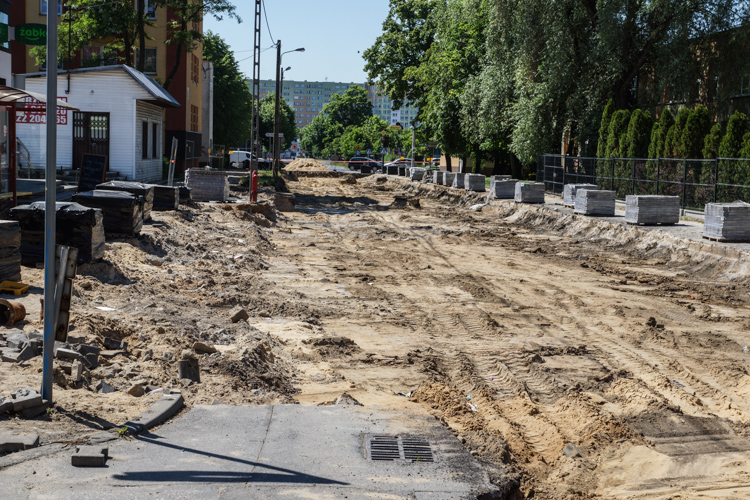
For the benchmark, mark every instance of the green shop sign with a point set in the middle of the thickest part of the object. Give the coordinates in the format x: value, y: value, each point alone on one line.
x: 31, y: 34
x: 3, y: 33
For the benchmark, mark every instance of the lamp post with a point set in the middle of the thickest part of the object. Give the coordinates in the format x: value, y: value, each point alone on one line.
x: 276, y: 117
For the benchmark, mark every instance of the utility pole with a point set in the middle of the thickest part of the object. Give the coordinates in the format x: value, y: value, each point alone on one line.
x: 276, y: 118
x: 413, y: 143
x: 256, y: 89
x: 50, y: 208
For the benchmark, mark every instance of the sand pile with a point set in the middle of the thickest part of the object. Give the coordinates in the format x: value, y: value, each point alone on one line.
x: 306, y: 165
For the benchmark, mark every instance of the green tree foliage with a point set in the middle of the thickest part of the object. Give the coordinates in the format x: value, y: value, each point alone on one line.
x: 658, y: 143
x: 653, y: 145
x: 638, y: 135
x: 731, y: 143
x: 745, y: 152
x: 117, y: 25
x: 232, y: 98
x: 534, y: 69
x: 350, y: 108
x: 601, y: 145
x: 694, y: 133
x: 711, y: 142
x: 617, y: 135
x: 673, y: 146
x: 287, y: 124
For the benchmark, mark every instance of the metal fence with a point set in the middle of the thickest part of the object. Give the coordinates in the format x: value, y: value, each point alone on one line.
x: 696, y: 182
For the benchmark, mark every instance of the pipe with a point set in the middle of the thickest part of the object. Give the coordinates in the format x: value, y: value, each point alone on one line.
x: 11, y: 312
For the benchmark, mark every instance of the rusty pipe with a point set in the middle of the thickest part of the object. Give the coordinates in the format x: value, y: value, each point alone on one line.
x: 11, y: 312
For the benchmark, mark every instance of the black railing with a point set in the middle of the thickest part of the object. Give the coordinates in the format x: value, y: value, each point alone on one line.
x: 696, y: 182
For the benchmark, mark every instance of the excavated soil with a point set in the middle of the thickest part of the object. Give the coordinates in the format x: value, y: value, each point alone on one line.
x: 306, y: 165
x: 523, y: 330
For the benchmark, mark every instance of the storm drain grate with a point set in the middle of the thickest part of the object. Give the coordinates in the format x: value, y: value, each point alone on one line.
x: 393, y: 448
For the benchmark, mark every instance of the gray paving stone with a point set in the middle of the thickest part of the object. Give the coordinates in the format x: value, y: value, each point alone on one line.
x: 11, y: 443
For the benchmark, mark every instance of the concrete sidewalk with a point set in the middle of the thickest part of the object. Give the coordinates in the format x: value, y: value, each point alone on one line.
x: 286, y: 451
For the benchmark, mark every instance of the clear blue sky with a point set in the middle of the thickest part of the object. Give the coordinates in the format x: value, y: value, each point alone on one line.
x: 331, y: 31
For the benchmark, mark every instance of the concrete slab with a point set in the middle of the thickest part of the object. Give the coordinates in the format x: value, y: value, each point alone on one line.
x: 286, y: 451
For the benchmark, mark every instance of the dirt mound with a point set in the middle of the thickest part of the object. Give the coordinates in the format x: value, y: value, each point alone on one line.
x: 306, y: 165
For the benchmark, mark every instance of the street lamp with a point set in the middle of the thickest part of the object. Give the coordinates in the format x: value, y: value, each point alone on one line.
x: 276, y: 116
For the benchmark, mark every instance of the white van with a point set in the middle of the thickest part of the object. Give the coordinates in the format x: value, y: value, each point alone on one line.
x: 237, y: 157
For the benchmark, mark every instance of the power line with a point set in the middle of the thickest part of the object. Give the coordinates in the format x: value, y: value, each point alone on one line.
x: 267, y: 25
x: 248, y: 57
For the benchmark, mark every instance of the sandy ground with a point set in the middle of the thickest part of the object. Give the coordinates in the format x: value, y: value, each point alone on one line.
x: 521, y: 329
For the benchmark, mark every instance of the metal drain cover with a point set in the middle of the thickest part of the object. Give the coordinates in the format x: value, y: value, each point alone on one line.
x: 398, y: 448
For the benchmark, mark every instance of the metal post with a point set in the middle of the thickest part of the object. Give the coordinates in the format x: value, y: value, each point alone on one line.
x: 276, y: 118
x: 716, y: 179
x: 254, y: 145
x: 50, y: 197
x: 684, y: 184
x: 658, y: 174
x: 413, y: 144
x: 633, y: 176
x: 612, y: 178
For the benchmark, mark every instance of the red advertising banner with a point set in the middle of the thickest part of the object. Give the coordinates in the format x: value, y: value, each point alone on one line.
x: 36, y: 112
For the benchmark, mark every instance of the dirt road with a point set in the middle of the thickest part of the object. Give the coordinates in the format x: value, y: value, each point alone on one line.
x: 522, y: 331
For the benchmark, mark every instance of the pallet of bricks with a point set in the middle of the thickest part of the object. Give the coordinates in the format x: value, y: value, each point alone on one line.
x: 503, y: 187
x: 727, y: 221
x: 207, y: 185
x: 651, y: 209
x: 10, y: 251
x: 594, y: 202
x: 569, y: 193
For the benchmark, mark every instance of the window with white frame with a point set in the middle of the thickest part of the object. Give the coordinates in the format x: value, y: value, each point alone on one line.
x: 94, y: 55
x: 43, y: 7
x: 4, y: 20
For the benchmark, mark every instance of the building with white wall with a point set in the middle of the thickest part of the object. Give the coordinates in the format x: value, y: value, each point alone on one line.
x: 121, y: 115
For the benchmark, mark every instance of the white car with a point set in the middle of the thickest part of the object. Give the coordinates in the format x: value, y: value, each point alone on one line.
x: 236, y: 157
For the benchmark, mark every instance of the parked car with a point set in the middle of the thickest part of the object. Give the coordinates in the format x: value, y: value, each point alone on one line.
x: 400, y: 161
x: 363, y: 164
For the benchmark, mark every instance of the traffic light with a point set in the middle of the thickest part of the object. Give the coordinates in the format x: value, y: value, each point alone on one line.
x: 385, y: 141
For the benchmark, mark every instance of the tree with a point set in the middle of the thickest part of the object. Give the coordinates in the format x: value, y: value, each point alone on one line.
x: 617, y: 136
x: 658, y: 142
x: 183, y: 32
x: 287, y: 122
x: 638, y: 135
x: 711, y: 142
x: 233, y: 105
x: 408, y: 32
x: 731, y: 143
x: 601, y: 145
x: 654, y: 140
x: 350, y: 108
x: 694, y: 133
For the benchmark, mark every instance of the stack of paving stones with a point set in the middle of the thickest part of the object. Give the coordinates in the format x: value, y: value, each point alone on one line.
x: 569, y: 193
x: 146, y: 191
x: 458, y: 181
x: 651, y: 209
x: 207, y: 185
x: 123, y: 212
x: 166, y: 198
x: 427, y: 176
x: 416, y: 173
x: 10, y: 251
x: 529, y: 192
x: 474, y: 182
x: 595, y: 202
x: 502, y: 189
x: 403, y: 170
x: 77, y: 226
x: 185, y: 194
x: 727, y: 221
x: 448, y: 178
x: 437, y: 176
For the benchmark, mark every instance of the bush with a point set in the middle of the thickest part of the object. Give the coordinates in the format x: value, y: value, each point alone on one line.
x: 656, y: 149
x: 618, y: 128
x: 639, y: 130
x: 676, y: 149
x: 731, y: 143
x: 653, y: 144
x: 601, y: 146
x: 711, y: 142
x: 694, y: 133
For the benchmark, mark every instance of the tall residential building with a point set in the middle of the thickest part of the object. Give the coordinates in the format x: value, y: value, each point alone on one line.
x: 5, y: 60
x: 383, y: 107
x: 308, y: 98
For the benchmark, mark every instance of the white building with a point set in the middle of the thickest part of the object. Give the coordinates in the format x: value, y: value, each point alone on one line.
x: 121, y: 116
